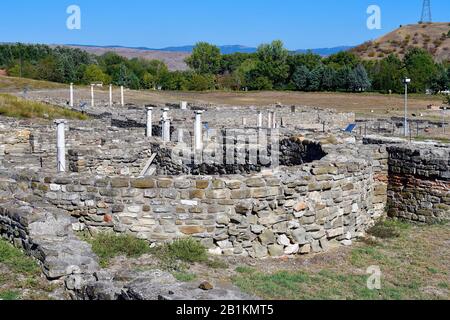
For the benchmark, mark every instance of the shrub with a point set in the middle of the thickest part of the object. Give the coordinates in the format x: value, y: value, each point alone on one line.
x: 107, y: 246
x: 188, y: 250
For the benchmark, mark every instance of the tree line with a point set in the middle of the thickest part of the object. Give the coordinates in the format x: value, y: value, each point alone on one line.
x: 271, y: 67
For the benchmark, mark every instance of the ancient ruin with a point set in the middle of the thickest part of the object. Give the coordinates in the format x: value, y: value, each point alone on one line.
x: 251, y: 181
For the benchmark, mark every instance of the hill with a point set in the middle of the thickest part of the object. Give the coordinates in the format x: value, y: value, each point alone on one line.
x: 173, y: 60
x: 433, y: 37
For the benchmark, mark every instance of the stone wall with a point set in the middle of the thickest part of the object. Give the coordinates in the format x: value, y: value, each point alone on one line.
x: 297, y: 210
x: 419, y: 183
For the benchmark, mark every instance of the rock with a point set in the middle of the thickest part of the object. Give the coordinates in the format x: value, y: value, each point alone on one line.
x: 347, y: 242
x: 267, y: 237
x: 292, y: 249
x: 216, y: 251
x: 189, y: 230
x: 206, y: 286
x: 276, y: 250
x: 300, y: 206
x: 305, y: 249
x: 259, y: 251
x: 78, y: 226
x: 283, y: 240
x: 257, y: 229
x: 300, y: 236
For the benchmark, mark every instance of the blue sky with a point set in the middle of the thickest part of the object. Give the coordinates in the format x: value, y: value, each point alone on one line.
x: 301, y: 24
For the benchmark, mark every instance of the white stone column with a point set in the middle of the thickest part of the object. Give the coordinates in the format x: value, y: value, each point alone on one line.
x: 180, y: 135
x: 110, y: 95
x: 60, y: 145
x: 122, y: 98
x: 269, y: 120
x: 71, y: 95
x: 92, y: 96
x: 244, y: 121
x: 274, y: 120
x: 183, y: 105
x: 165, y: 125
x: 149, y: 122
x: 198, y: 136
x: 260, y: 119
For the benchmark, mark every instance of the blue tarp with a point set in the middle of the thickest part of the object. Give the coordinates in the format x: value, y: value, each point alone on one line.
x: 350, y: 128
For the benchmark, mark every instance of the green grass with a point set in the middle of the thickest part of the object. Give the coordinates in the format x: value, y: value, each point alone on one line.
x: 16, y: 260
x: 184, y: 276
x: 21, y: 273
x: 181, y: 252
x: 388, y: 229
x: 411, y: 258
x: 11, y: 106
x: 107, y: 246
x: 9, y: 295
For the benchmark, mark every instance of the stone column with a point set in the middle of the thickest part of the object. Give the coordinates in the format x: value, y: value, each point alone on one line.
x: 183, y: 105
x: 165, y: 125
x: 198, y: 136
x: 180, y: 135
x: 244, y: 121
x: 274, y: 120
x: 110, y: 95
x: 260, y: 119
x: 60, y: 145
x: 269, y: 120
x: 71, y: 95
x: 149, y: 122
x: 122, y: 99
x: 92, y: 96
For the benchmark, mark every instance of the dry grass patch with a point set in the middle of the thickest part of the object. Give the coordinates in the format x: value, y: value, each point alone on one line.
x: 11, y: 106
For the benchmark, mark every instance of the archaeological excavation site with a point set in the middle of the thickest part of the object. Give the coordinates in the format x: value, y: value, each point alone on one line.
x: 266, y: 182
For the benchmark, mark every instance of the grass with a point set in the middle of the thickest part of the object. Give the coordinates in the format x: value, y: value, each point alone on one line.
x: 13, y: 83
x: 184, y: 276
x: 388, y: 229
x: 438, y: 139
x: 20, y: 274
x: 414, y: 264
x: 178, y: 255
x: 11, y: 106
x: 108, y: 246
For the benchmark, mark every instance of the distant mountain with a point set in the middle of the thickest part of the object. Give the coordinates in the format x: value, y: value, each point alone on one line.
x: 325, y: 51
x: 227, y: 49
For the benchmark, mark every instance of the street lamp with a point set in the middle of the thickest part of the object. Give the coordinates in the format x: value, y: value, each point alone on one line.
x: 406, y: 81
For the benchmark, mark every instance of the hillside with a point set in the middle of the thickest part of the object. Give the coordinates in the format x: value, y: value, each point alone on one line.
x: 432, y: 37
x: 173, y: 60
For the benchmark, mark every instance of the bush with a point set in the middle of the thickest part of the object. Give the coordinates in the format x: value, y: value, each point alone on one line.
x: 107, y: 246
x: 175, y: 257
x: 188, y: 250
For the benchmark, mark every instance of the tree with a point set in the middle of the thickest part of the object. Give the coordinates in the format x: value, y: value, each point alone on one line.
x: 272, y: 63
x: 94, y: 73
x: 359, y: 81
x: 328, y: 77
x: 300, y: 78
x: 205, y: 58
x: 387, y: 75
x: 315, y: 79
x: 440, y: 81
x: 343, y: 78
x: 342, y: 59
x: 309, y: 60
x: 201, y: 82
x: 420, y: 68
